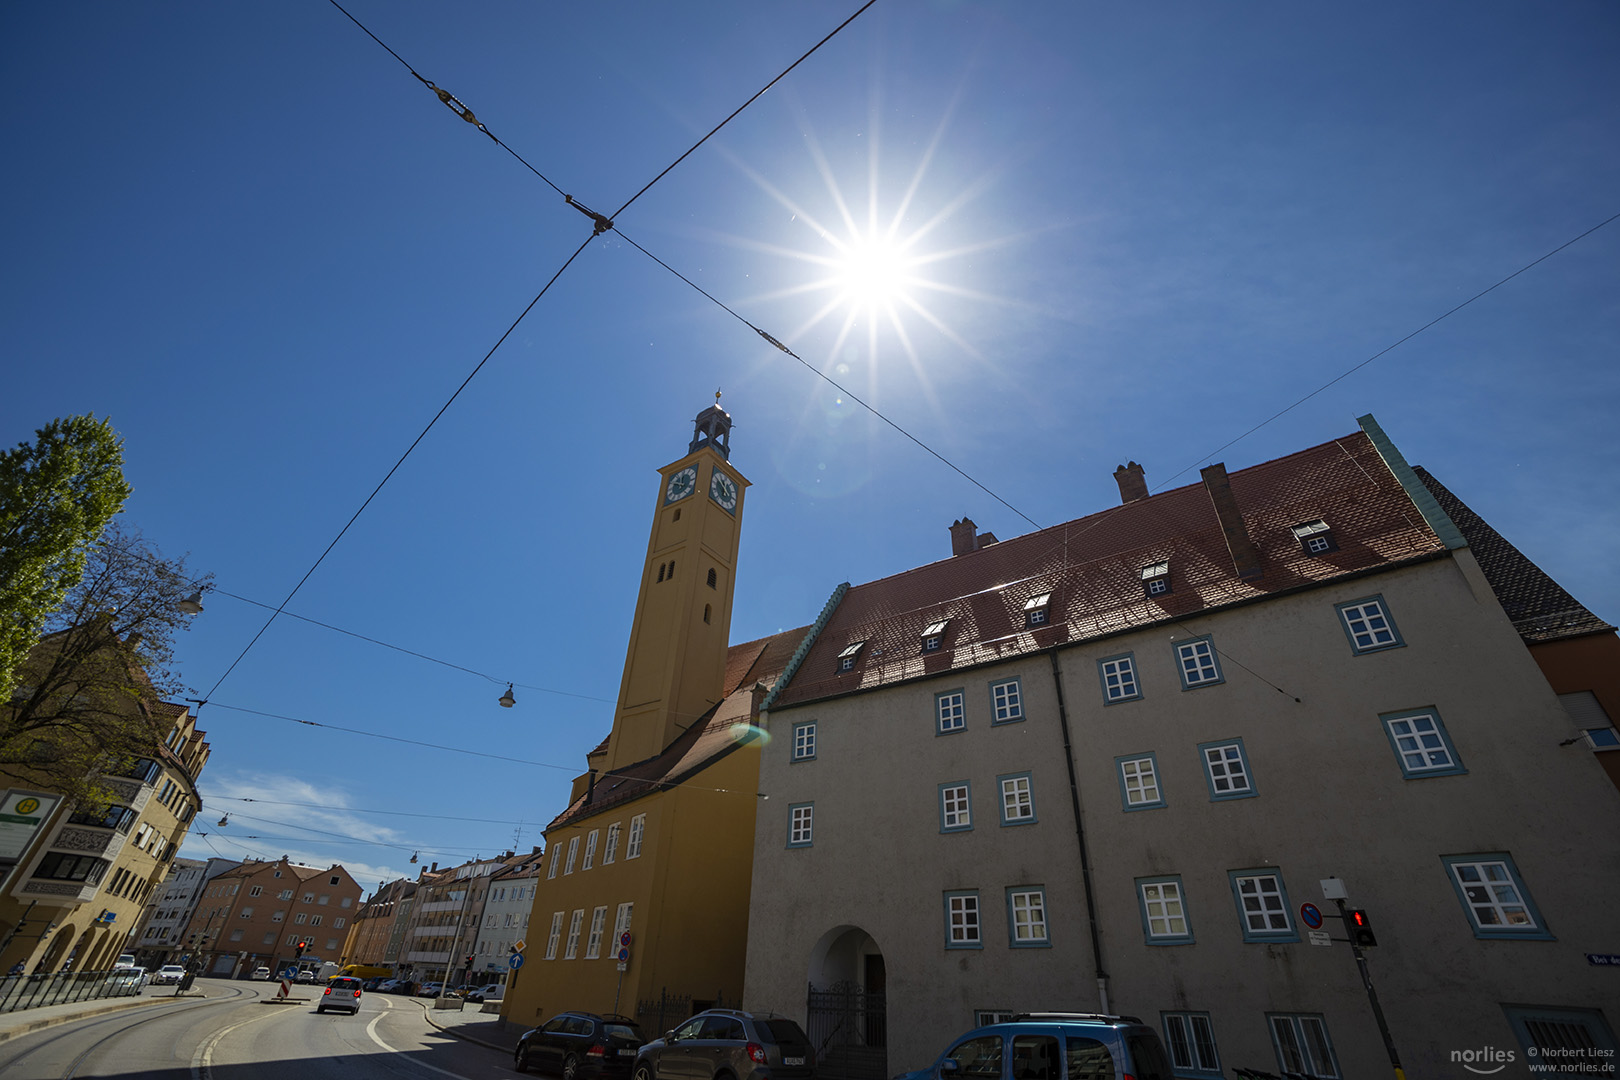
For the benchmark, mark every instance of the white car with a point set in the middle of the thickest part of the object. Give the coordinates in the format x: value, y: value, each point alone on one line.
x: 168, y: 975
x: 261, y: 973
x: 490, y: 992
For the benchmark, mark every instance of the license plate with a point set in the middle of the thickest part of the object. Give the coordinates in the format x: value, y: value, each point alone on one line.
x: 627, y: 1053
x: 793, y: 1061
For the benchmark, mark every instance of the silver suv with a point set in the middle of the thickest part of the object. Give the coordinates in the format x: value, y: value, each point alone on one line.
x: 728, y: 1044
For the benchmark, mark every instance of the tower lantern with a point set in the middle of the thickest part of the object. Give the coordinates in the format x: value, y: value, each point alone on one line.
x: 712, y: 428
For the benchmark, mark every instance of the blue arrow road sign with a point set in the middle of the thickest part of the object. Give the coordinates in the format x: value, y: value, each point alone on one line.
x: 515, y: 961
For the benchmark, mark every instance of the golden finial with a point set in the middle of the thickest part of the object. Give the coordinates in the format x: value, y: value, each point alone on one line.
x: 717, y: 397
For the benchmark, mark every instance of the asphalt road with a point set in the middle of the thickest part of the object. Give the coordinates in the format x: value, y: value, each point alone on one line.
x: 233, y: 1035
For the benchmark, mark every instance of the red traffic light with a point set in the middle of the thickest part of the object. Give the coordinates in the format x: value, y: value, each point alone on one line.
x: 1359, y: 928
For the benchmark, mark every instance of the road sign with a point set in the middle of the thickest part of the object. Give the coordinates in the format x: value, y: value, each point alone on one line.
x: 624, y: 940
x: 1603, y: 959
x: 285, y: 989
x: 1319, y: 937
x: 515, y: 961
x: 623, y: 966
x: 1310, y: 915
x: 624, y: 955
x: 520, y: 945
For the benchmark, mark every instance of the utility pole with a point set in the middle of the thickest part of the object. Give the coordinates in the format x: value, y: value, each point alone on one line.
x: 1334, y: 889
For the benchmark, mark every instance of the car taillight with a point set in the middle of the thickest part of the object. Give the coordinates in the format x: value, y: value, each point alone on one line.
x: 328, y: 991
x: 597, y: 1051
x: 756, y: 1053
x: 357, y: 993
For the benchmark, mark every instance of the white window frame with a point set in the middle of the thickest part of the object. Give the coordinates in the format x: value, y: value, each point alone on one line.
x: 1119, y: 681
x: 1189, y: 1039
x: 1262, y: 902
x: 1006, y: 702
x: 804, y: 741
x: 638, y: 826
x: 611, y: 850
x: 590, y: 849
x: 621, y: 921
x: 1368, y: 625
x: 1017, y: 799
x: 1164, y: 905
x: 1225, y: 764
x: 1302, y: 1044
x: 573, y: 850
x: 950, y: 712
x: 964, y: 929
x: 1027, y: 925
x: 801, y: 824
x: 593, y: 945
x: 556, y: 935
x: 572, y: 950
x: 1198, y: 663
x: 955, y: 806
x: 1139, y: 782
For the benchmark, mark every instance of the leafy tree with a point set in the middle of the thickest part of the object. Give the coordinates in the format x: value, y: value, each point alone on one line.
x: 56, y: 496
x: 90, y: 693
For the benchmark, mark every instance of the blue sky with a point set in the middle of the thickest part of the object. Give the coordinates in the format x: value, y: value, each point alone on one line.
x: 249, y: 237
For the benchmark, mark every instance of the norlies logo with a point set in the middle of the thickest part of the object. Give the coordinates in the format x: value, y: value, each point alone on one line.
x: 1488, y: 1055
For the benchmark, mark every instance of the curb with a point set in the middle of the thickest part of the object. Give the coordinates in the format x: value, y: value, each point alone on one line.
x: 427, y: 1014
x: 32, y: 1026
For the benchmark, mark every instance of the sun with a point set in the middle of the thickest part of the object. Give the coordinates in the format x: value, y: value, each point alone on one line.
x: 873, y: 272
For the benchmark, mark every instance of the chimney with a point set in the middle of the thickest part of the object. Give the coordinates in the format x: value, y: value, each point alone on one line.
x: 1132, y: 484
x: 1245, y: 559
x: 964, y: 537
x: 757, y: 695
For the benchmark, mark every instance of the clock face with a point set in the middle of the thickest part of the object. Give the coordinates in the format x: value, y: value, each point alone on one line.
x: 723, y: 490
x: 681, y: 484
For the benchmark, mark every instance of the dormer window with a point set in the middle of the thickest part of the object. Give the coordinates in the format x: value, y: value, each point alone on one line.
x: 1315, y: 537
x: 1156, y: 579
x: 933, y: 636
x: 846, y: 659
x: 1037, y: 609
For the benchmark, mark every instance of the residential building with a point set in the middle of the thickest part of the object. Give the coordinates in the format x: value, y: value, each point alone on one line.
x: 506, y: 918
x: 655, y: 842
x: 79, y: 887
x: 257, y: 913
x: 443, y: 925
x: 161, y: 937
x: 1116, y: 765
x: 379, y: 925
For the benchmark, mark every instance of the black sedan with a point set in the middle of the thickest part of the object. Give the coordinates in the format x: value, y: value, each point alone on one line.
x: 581, y: 1046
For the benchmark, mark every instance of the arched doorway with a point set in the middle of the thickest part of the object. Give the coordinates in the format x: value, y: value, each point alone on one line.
x: 846, y: 1012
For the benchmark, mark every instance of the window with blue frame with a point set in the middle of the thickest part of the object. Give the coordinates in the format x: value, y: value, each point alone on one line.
x: 1302, y: 1044
x: 955, y: 806
x: 1262, y: 903
x: 804, y: 741
x: 1543, y: 1028
x: 1190, y: 1039
x: 1017, y: 799
x: 962, y: 920
x: 1139, y: 787
x: 1163, y: 907
x: 1198, y: 663
x: 801, y: 824
x: 1494, y: 897
x: 949, y: 712
x: 1026, y: 917
x: 1226, y: 770
x: 1006, y: 702
x: 1367, y: 624
x: 1118, y: 675
x: 1421, y: 744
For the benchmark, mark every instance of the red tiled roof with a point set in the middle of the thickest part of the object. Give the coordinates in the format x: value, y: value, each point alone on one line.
x: 706, y: 741
x: 1092, y: 569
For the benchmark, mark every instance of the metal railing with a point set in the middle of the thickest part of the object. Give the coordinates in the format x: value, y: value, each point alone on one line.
x: 35, y: 991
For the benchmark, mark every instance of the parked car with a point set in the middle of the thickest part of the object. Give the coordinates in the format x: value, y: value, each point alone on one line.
x: 304, y: 976
x: 491, y: 991
x: 1053, y: 1046
x: 261, y: 973
x: 430, y: 989
x: 742, y: 1045
x: 577, y: 1045
x: 390, y: 986
x: 342, y: 992
x: 168, y: 975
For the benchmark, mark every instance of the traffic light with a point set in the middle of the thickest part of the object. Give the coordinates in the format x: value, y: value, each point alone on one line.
x: 1359, y: 927
x: 302, y: 945
x: 469, y: 961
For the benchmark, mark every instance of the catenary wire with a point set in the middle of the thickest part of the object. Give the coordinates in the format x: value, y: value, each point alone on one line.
x: 743, y: 106
x: 397, y: 464
x: 360, y: 810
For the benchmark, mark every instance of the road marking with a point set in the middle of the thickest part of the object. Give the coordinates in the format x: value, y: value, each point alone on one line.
x: 202, y: 1061
x: 371, y: 1031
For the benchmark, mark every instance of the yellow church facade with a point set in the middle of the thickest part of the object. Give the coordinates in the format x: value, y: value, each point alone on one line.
x: 642, y: 906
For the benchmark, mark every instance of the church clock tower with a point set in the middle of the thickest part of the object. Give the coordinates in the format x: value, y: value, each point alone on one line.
x: 674, y: 668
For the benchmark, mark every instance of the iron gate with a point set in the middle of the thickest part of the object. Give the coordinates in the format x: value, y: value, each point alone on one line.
x: 850, y: 1030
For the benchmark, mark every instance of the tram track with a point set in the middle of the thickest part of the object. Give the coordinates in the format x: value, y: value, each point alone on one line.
x: 124, y: 1021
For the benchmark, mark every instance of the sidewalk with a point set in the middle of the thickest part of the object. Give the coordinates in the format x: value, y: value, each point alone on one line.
x: 27, y: 1021
x: 474, y: 1026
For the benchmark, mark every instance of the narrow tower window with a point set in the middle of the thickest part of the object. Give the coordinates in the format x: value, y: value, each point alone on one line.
x: 705, y: 612
x: 672, y: 568
x: 677, y: 516
x: 660, y: 571
x: 711, y: 577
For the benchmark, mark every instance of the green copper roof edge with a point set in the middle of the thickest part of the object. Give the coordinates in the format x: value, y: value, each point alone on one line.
x: 803, y: 650
x: 1421, y: 497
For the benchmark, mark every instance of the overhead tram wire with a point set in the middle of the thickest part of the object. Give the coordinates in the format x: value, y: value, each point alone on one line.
x: 359, y: 809
x: 442, y: 409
